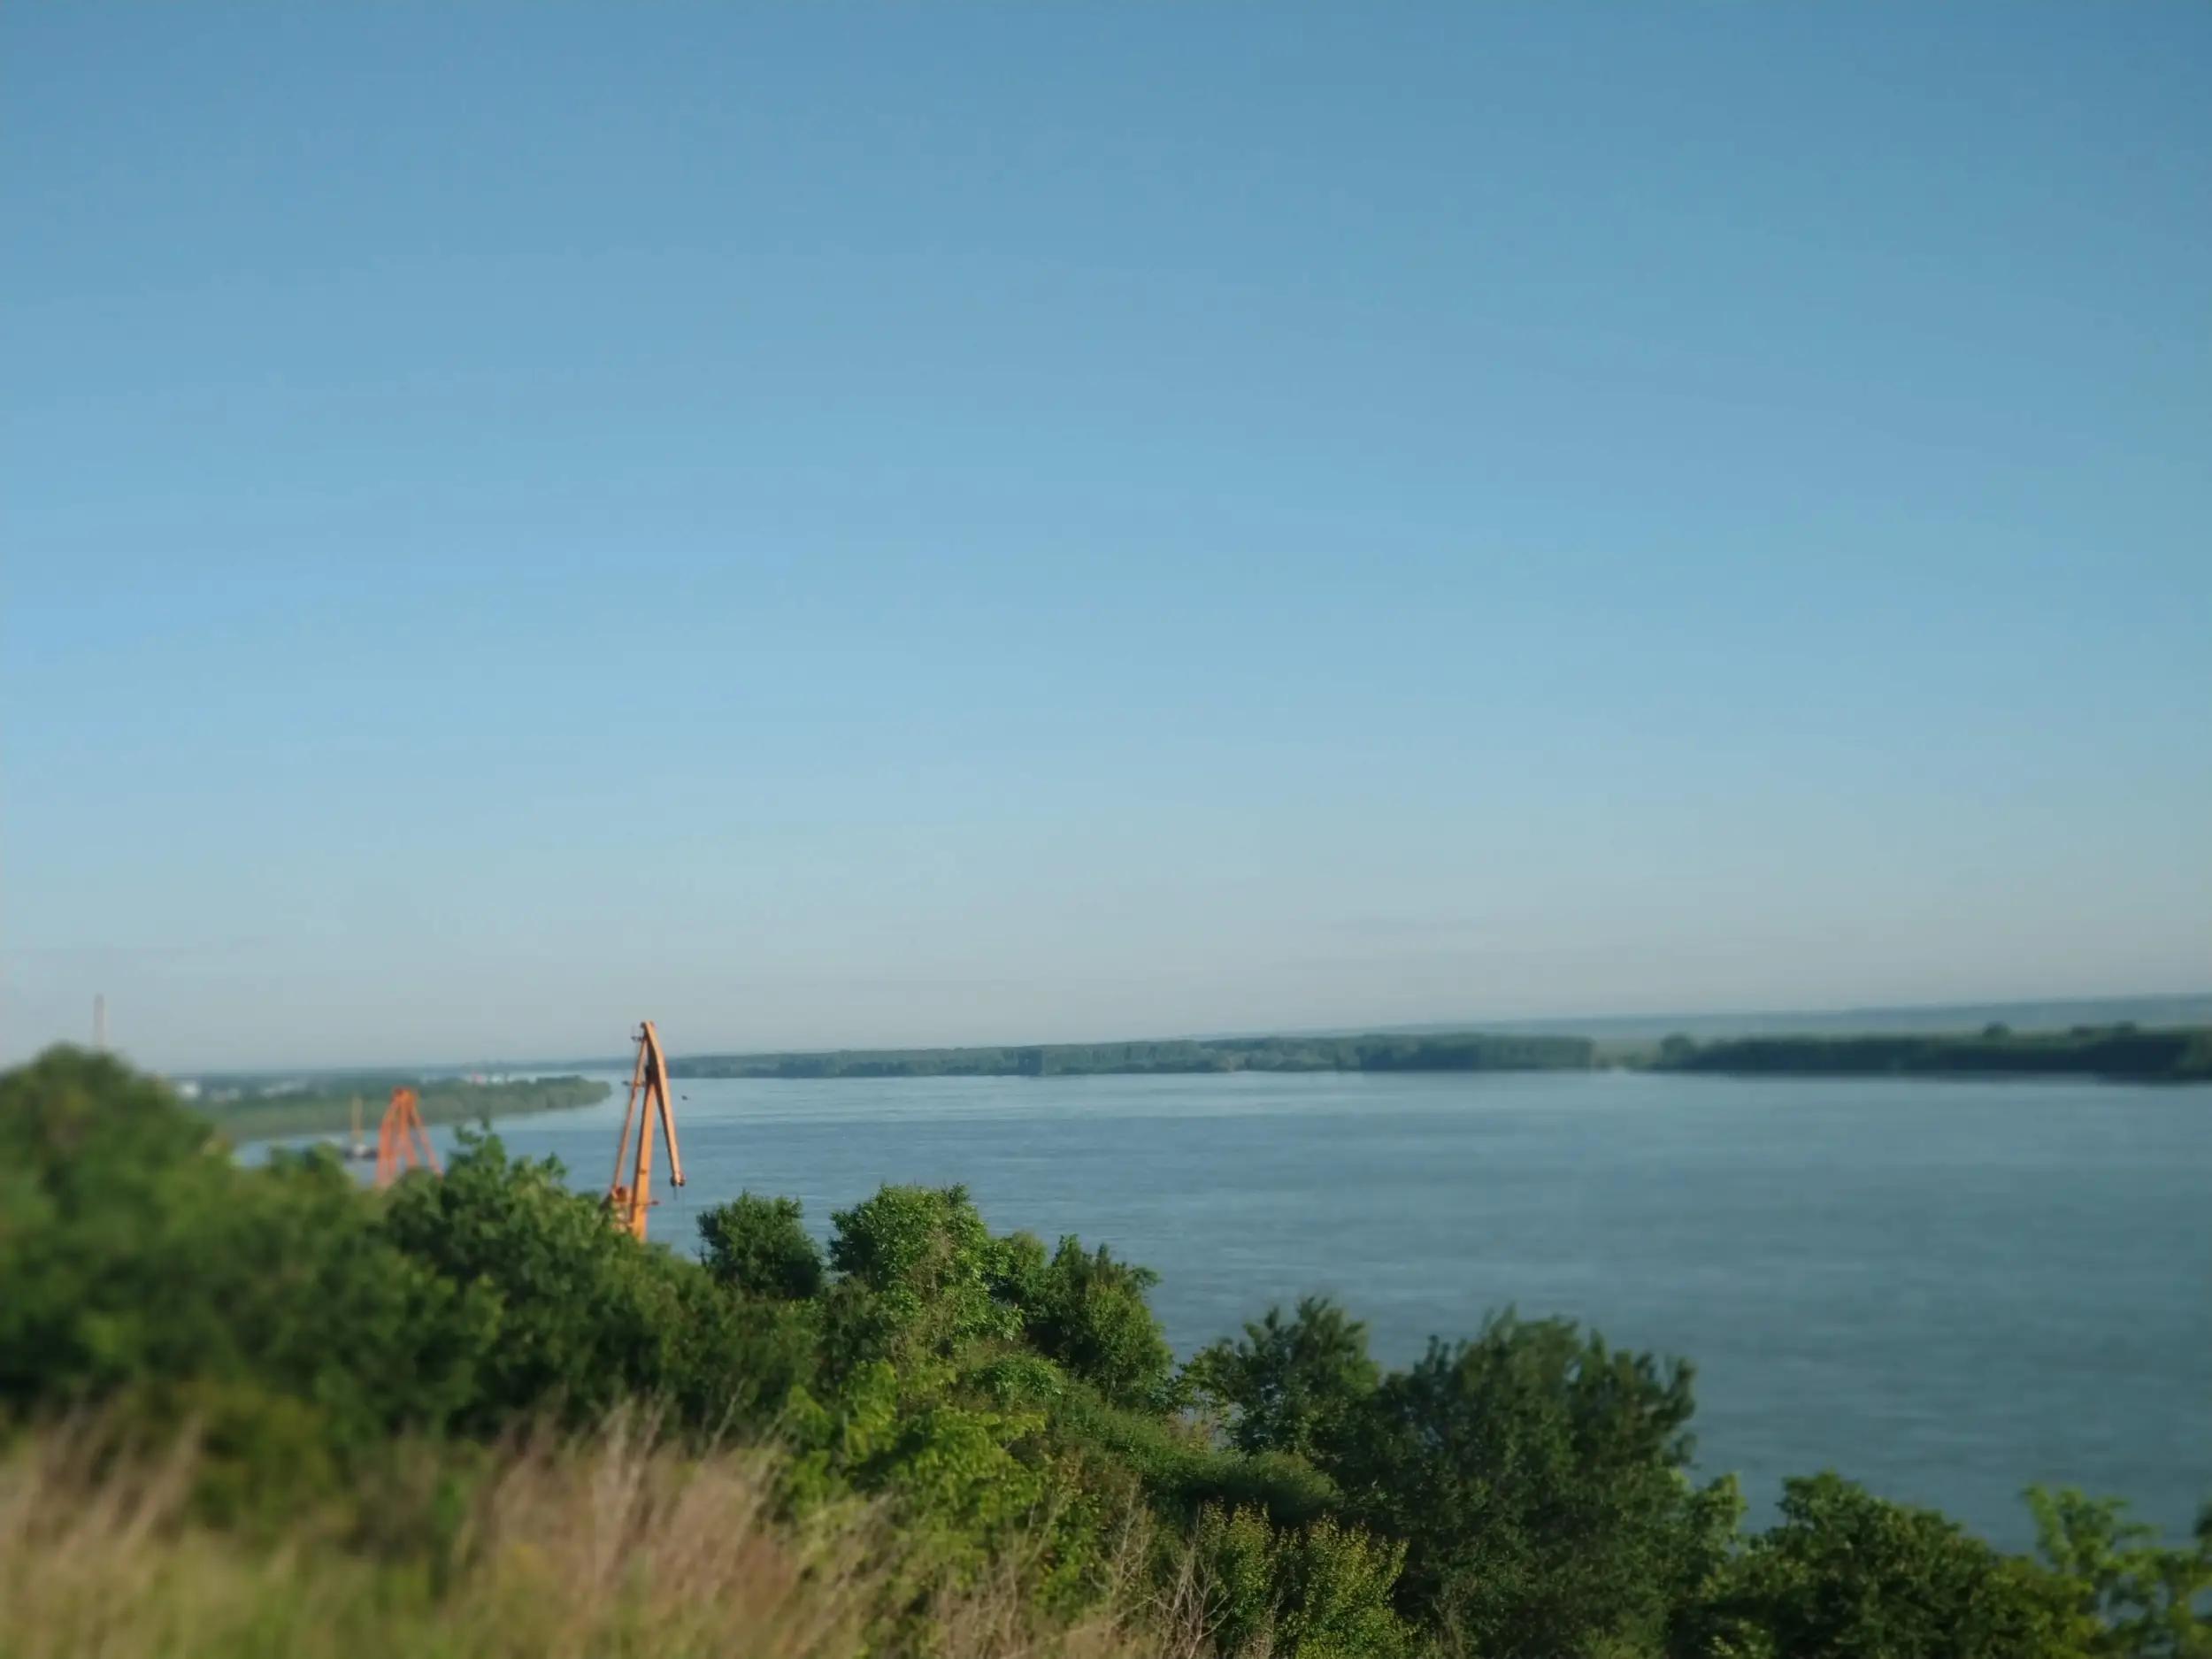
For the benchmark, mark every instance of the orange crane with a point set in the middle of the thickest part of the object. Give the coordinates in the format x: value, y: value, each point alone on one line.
x: 399, y: 1136
x: 628, y: 1200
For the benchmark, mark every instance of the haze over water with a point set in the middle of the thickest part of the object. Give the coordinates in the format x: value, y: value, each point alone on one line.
x: 1946, y: 1290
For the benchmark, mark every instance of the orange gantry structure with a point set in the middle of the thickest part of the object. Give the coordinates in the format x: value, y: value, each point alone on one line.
x: 630, y: 1195
x: 402, y: 1142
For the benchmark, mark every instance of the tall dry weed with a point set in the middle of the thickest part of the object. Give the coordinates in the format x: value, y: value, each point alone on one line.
x: 611, y: 1548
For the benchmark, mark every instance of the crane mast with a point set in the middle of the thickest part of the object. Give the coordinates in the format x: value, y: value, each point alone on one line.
x: 402, y: 1141
x: 630, y: 1194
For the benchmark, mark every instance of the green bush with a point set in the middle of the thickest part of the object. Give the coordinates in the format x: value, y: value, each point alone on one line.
x: 261, y: 1460
x: 1846, y: 1575
x: 1016, y: 1378
x: 930, y: 1265
x: 134, y: 1252
x: 1287, y: 1385
x: 1088, y: 1311
x: 1317, y: 1591
x: 2135, y: 1596
x: 758, y: 1246
x: 1182, y: 1471
x: 1535, y: 1478
x: 585, y: 1319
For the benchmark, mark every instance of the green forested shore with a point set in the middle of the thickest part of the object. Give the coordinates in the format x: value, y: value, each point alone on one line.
x: 1463, y: 1051
x: 263, y: 1412
x: 2123, y: 1053
x: 2119, y: 1052
x: 328, y: 1108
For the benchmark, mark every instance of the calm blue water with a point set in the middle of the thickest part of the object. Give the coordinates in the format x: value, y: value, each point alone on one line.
x: 1944, y: 1289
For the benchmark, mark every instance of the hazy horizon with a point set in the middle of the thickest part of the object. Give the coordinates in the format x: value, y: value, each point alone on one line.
x: 840, y: 528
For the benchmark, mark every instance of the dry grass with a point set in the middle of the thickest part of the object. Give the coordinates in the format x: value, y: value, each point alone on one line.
x: 615, y: 1547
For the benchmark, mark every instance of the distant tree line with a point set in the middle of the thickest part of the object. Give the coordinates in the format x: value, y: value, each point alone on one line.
x: 1461, y: 1051
x: 2107, y: 1051
x: 328, y: 1108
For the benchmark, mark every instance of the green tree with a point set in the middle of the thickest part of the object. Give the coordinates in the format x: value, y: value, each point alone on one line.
x: 1846, y: 1575
x: 2143, y: 1599
x: 138, y: 1257
x: 587, y: 1318
x: 1287, y: 1384
x: 1535, y: 1476
x: 1314, y: 1591
x: 1089, y: 1312
x: 759, y: 1247
x: 923, y: 1279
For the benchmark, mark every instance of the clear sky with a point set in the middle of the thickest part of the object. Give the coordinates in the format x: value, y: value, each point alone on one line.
x: 833, y: 525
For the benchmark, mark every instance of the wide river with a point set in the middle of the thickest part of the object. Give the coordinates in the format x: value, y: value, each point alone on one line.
x: 1944, y: 1289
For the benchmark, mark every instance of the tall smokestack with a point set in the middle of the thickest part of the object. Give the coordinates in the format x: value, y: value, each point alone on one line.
x: 100, y: 1022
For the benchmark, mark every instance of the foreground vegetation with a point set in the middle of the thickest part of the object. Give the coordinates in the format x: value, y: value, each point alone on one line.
x: 2124, y: 1052
x: 263, y: 1412
x: 329, y: 1109
x: 1461, y: 1051
x: 604, y: 1546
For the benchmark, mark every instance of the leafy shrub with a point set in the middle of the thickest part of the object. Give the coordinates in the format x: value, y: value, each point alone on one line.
x: 1287, y: 1385
x: 1088, y: 1311
x: 1846, y: 1575
x: 135, y: 1252
x: 931, y: 1264
x: 2135, y: 1596
x: 1318, y: 1592
x: 585, y: 1319
x: 1017, y: 1378
x: 1182, y: 1471
x: 260, y: 1461
x: 1534, y: 1476
x: 758, y: 1246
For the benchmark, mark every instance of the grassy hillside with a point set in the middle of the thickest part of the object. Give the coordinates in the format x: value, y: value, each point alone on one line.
x: 607, y: 1545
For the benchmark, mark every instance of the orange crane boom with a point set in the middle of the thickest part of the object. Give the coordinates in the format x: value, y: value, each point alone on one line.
x: 629, y: 1201
x: 399, y: 1135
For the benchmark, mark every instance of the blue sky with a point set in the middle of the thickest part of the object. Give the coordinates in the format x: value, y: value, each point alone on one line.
x: 942, y: 523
